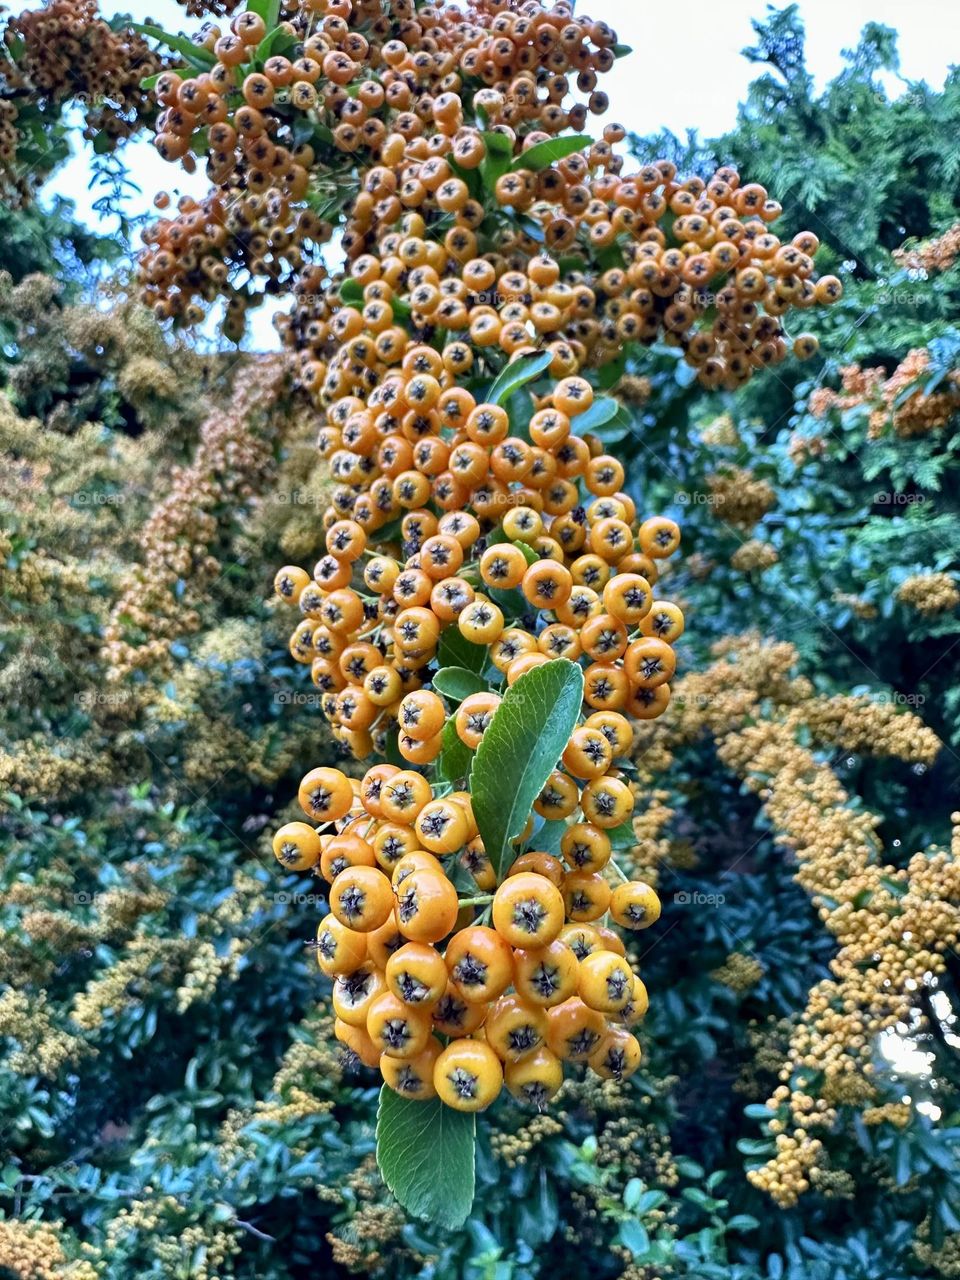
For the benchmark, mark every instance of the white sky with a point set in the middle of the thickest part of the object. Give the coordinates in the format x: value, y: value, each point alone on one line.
x: 693, y: 77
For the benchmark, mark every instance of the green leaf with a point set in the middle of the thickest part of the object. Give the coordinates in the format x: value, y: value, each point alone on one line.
x: 621, y: 50
x: 520, y: 749
x: 150, y: 82
x: 602, y: 410
x: 455, y: 756
x: 635, y: 1238
x: 457, y: 683
x: 425, y: 1152
x: 456, y: 651
x: 624, y: 836
x: 275, y: 42
x: 529, y: 554
x: 269, y: 11
x: 542, y: 154
x: 517, y: 374
x: 351, y: 291
x: 197, y: 57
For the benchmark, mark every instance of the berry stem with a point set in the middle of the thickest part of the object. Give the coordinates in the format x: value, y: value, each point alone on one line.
x: 480, y: 900
x: 625, y: 879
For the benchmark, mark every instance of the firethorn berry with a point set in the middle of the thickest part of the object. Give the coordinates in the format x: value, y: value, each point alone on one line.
x: 422, y: 714
x: 353, y: 993
x: 606, y: 802
x: 383, y: 942
x: 357, y: 1040
x: 361, y: 898
x: 535, y: 1078
x: 290, y: 582
x: 605, y: 981
x: 635, y: 905
x: 404, y: 795
x: 416, y: 974
x: 415, y: 860
x: 325, y: 795
x: 588, y: 754
x: 480, y: 963
x: 664, y: 621
x: 345, y: 850
x: 339, y: 949
x: 442, y: 826
x: 546, y: 975
x: 396, y: 1028
x: 528, y: 910
x: 513, y: 1028
x: 454, y: 1016
x: 473, y: 717
x: 637, y: 1005
x: 586, y: 895
x: 427, y: 906
x: 412, y: 1077
x: 541, y: 864
x: 468, y: 1075
x: 574, y: 1030
x: 617, y: 1055
x: 585, y: 847
x: 297, y: 846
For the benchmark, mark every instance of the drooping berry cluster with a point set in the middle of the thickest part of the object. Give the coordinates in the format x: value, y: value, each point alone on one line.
x: 494, y: 274
x: 441, y: 1002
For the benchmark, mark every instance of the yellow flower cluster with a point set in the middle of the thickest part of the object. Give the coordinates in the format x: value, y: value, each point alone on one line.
x: 754, y: 556
x: 929, y: 593
x: 739, y: 498
x: 894, y: 924
x: 230, y: 462
x: 160, y: 1230
x: 34, y: 1251
x: 42, y: 1048
x: 739, y: 972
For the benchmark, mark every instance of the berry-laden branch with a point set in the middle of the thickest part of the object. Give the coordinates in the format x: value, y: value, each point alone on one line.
x: 485, y: 617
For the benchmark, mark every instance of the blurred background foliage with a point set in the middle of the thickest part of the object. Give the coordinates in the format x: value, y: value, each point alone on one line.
x: 170, y: 1103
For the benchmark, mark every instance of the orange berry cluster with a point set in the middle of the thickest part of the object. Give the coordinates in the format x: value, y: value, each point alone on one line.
x: 408, y: 119
x: 477, y: 521
x: 65, y: 50
x: 446, y: 1005
x: 553, y: 578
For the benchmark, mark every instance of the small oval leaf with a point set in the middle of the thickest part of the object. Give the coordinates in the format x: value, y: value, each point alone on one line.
x: 520, y: 749
x: 457, y: 683
x: 517, y: 374
x: 542, y: 154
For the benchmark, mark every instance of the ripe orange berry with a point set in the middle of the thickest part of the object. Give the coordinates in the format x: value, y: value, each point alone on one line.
x: 297, y: 846
x: 528, y: 911
x: 361, y: 898
x: 468, y: 1075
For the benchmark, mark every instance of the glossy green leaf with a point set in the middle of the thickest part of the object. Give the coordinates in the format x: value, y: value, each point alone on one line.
x: 602, y: 410
x: 351, y: 292
x: 269, y: 11
x: 426, y: 1152
x: 455, y: 757
x: 517, y: 374
x: 456, y: 651
x: 520, y: 749
x: 199, y: 58
x: 543, y: 154
x: 457, y: 683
